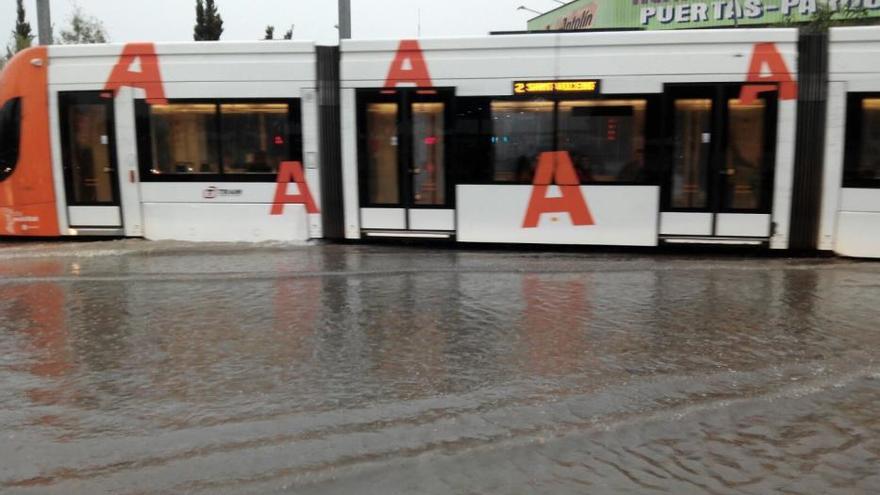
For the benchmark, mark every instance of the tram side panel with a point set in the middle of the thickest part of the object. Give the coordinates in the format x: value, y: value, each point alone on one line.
x: 382, y: 83
x: 538, y: 154
x: 851, y: 192
x: 196, y: 141
x: 27, y: 192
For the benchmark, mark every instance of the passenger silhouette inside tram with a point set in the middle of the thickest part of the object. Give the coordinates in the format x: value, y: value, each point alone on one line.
x: 525, y: 169
x: 259, y: 163
x: 634, y: 170
x: 584, y: 168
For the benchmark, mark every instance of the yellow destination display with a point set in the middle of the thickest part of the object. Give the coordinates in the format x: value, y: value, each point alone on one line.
x: 552, y: 87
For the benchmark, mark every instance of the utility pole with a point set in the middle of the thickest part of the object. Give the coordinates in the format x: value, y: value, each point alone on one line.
x: 44, y: 22
x: 344, y: 19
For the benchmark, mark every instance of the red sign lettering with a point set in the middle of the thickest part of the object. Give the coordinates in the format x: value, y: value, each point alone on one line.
x: 409, y: 67
x: 294, y: 171
x: 147, y: 78
x: 766, y: 55
x: 555, y: 167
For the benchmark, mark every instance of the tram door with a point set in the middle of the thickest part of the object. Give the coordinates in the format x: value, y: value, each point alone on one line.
x: 721, y: 151
x: 88, y: 148
x: 405, y: 184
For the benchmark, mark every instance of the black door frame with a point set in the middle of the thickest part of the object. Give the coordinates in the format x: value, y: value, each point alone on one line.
x: 405, y: 98
x: 717, y: 185
x: 65, y: 100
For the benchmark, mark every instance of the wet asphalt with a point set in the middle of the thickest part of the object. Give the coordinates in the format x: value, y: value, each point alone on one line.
x: 131, y: 367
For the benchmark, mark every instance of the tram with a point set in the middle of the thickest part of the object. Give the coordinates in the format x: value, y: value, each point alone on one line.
x: 606, y: 139
x: 174, y: 141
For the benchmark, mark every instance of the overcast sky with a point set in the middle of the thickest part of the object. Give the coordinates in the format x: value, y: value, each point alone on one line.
x: 169, y: 20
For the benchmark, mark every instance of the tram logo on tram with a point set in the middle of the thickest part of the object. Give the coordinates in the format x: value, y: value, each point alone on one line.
x: 777, y: 75
x: 215, y: 192
x: 556, y: 168
x: 138, y: 67
x: 24, y: 222
x: 409, y: 66
x: 292, y: 172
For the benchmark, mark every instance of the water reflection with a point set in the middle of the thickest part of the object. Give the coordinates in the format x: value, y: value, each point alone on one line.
x: 555, y: 324
x: 164, y: 369
x: 34, y: 316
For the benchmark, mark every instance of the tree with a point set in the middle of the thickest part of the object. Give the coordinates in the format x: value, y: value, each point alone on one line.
x: 825, y: 16
x: 83, y: 29
x: 199, y: 29
x: 22, y: 36
x: 209, y: 23
x: 270, y: 33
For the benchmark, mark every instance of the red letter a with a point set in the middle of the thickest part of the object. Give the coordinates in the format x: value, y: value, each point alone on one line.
x: 556, y: 167
x: 766, y: 54
x: 148, y: 78
x: 409, y: 67
x: 286, y: 172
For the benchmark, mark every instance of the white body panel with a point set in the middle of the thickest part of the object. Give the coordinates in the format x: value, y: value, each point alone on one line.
x: 631, y: 62
x: 850, y: 215
x: 854, y: 57
x: 95, y: 216
x: 312, y: 157
x: 858, y: 234
x: 383, y: 218
x: 236, y: 70
x: 198, y: 70
x: 236, y: 211
x: 860, y: 200
x: 623, y: 216
x: 832, y: 177
x: 742, y: 225
x: 197, y: 192
x: 57, y: 163
x: 127, y: 166
x: 725, y: 224
x: 783, y: 182
x: 350, y: 190
x: 687, y: 224
x: 432, y: 220
x: 223, y: 222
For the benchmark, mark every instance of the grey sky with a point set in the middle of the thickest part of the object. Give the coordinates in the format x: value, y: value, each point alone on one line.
x: 167, y: 20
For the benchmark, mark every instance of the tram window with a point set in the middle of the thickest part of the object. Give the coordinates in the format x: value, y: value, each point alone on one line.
x: 10, y: 131
x: 217, y: 140
x: 256, y: 137
x: 86, y: 131
x: 745, y: 155
x: 184, y: 138
x: 429, y: 153
x: 522, y: 130
x: 499, y: 140
x: 692, y: 146
x: 383, y: 181
x: 473, y: 140
x: 605, y: 138
x: 863, y: 142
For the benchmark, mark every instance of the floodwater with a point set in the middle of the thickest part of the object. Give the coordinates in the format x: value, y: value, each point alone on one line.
x: 139, y: 368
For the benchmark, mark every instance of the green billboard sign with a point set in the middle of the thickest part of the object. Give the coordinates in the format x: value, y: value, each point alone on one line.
x: 682, y: 14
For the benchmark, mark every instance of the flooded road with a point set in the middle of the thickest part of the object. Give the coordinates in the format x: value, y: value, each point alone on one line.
x: 131, y: 368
